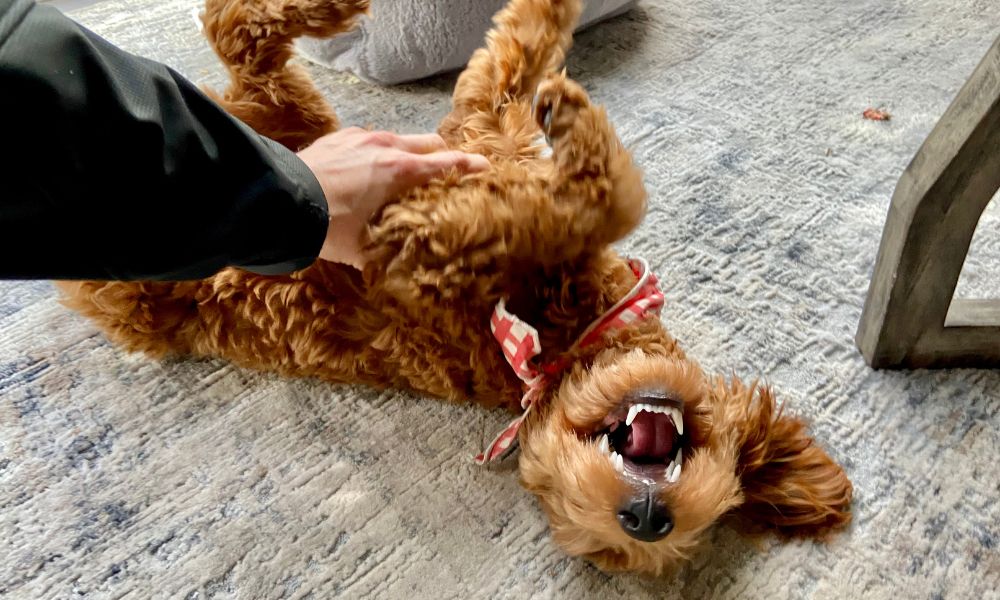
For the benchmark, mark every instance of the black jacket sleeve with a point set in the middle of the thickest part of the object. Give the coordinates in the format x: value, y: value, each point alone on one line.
x: 116, y: 167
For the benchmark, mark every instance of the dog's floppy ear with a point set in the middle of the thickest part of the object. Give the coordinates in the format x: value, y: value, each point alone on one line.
x: 789, y: 483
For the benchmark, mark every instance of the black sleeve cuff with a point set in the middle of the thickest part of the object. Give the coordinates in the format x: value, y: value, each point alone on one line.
x: 296, y: 225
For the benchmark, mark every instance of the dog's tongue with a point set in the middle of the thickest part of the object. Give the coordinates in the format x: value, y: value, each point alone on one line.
x: 652, y: 435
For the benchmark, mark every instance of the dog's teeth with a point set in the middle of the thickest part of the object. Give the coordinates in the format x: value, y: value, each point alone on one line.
x: 618, y: 462
x: 674, y: 471
x: 675, y: 474
x: 632, y: 412
x: 602, y: 444
x: 678, y: 418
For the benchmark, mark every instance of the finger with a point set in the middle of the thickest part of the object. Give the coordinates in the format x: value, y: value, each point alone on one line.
x: 428, y: 166
x: 423, y: 143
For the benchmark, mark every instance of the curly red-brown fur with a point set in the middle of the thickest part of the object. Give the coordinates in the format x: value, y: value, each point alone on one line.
x: 532, y: 229
x: 788, y: 481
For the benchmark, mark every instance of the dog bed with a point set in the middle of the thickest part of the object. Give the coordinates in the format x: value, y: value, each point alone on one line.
x: 404, y: 40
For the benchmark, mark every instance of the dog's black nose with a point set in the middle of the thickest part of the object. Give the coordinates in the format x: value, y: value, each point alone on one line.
x: 645, y: 518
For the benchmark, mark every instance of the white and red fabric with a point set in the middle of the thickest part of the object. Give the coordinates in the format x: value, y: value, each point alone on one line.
x: 520, y: 344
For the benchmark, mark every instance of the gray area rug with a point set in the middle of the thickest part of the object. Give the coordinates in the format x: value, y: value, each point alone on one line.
x: 121, y: 477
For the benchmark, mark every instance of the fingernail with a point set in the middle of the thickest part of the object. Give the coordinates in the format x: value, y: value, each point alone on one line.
x: 478, y: 162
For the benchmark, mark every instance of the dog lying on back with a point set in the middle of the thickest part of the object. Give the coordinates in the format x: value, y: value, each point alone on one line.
x: 500, y: 288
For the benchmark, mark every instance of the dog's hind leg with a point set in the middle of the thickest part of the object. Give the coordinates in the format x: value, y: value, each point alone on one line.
x: 262, y: 322
x: 491, y: 105
x: 158, y: 318
x: 254, y: 38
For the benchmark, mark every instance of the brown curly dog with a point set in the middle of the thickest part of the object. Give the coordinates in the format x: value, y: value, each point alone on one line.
x: 631, y: 449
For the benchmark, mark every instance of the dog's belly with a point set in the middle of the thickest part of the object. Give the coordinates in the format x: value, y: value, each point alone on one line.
x: 325, y: 322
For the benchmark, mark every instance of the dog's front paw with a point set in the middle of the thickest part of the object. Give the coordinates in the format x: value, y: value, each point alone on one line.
x: 592, y: 169
x: 558, y: 101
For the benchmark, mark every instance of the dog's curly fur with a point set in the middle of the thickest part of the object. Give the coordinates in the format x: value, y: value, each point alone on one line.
x: 534, y: 229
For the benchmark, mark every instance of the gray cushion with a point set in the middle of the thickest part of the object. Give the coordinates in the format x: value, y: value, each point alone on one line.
x: 403, y: 40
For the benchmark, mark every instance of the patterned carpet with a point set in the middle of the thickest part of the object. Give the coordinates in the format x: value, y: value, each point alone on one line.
x: 121, y: 477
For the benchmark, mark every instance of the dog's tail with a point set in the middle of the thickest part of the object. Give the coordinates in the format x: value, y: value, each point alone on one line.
x: 492, y: 99
x: 254, y: 38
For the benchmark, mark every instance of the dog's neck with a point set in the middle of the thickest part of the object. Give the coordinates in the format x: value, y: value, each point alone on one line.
x: 562, y: 302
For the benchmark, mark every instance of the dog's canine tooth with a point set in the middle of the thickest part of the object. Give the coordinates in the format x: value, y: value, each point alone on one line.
x: 602, y: 444
x: 674, y: 471
x: 632, y: 412
x: 675, y: 474
x: 678, y: 418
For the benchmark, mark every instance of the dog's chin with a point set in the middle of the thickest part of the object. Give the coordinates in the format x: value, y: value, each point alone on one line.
x: 648, y: 562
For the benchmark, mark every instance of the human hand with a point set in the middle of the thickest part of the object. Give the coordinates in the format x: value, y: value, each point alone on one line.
x: 361, y: 170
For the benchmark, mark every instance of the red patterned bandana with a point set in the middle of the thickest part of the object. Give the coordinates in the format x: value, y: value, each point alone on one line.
x: 520, y: 344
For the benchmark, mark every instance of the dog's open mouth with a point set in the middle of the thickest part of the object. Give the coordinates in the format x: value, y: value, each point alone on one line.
x: 643, y: 438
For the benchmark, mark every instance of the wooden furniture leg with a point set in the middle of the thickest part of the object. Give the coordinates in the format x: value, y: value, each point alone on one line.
x: 909, y: 319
